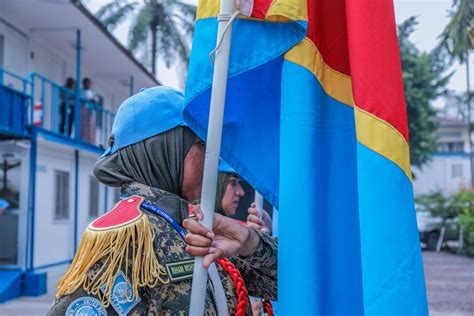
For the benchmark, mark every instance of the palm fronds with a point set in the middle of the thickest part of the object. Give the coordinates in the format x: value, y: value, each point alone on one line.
x: 140, y: 28
x: 170, y: 22
x: 458, y: 36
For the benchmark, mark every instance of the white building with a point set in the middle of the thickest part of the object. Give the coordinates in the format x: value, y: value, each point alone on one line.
x: 47, y: 170
x: 449, y: 169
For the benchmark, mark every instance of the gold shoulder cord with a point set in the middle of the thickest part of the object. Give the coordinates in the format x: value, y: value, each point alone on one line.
x: 112, y: 247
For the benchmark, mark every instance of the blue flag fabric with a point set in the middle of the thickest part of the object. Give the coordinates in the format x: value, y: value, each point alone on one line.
x: 315, y: 121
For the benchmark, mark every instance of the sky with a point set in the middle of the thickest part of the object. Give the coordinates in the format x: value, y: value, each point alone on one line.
x: 432, y: 17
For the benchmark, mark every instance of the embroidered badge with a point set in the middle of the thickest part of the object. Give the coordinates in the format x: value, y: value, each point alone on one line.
x: 86, y: 306
x: 181, y: 270
x: 122, y: 299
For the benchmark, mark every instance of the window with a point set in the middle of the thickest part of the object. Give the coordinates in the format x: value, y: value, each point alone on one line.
x: 93, y: 197
x: 456, y: 171
x: 456, y: 147
x: 61, y: 210
x: 451, y: 147
x: 443, y: 147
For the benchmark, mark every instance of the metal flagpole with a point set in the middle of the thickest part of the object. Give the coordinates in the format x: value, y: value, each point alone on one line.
x: 259, y: 203
x: 213, y: 147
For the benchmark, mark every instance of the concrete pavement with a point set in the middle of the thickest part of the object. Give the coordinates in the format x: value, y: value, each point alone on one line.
x: 449, y: 282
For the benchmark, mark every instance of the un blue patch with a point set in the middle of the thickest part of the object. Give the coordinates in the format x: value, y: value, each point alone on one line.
x: 122, y: 299
x: 86, y: 306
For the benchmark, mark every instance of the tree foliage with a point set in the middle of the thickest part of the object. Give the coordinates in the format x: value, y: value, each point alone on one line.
x: 466, y: 219
x: 458, y: 36
x: 423, y: 83
x: 169, y: 23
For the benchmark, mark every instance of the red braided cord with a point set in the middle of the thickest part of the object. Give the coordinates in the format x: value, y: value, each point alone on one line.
x: 242, y: 294
x: 268, y: 307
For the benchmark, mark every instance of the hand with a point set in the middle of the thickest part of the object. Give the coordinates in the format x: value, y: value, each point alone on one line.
x: 259, y: 220
x: 228, y: 239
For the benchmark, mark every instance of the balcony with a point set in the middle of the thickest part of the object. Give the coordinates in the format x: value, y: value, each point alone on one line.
x: 40, y: 102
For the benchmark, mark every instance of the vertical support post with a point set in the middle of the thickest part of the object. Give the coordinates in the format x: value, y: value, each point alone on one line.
x: 31, y: 201
x: 77, y: 99
x: 132, y: 88
x: 42, y: 98
x: 213, y: 147
x: 32, y: 101
x: 76, y: 196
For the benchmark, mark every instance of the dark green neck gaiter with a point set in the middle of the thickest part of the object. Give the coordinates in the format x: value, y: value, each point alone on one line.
x: 157, y: 162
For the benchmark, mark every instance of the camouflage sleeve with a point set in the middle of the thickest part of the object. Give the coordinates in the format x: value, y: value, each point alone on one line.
x: 259, y: 269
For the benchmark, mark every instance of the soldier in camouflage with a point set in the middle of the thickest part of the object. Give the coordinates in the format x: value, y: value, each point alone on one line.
x: 133, y: 260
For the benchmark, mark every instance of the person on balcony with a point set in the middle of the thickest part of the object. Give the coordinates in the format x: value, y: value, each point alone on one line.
x: 67, y: 107
x: 89, y: 103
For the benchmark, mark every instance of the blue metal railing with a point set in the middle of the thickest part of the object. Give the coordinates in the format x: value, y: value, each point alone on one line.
x: 51, y: 103
x: 53, y: 107
x: 60, y: 113
x: 15, y: 82
x: 96, y: 123
x: 15, y: 98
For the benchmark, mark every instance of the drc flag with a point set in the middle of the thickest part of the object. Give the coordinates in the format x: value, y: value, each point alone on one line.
x: 315, y: 120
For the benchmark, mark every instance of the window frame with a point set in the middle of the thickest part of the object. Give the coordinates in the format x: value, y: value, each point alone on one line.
x: 63, y: 188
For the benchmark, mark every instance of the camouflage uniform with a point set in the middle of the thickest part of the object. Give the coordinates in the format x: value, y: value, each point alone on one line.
x: 258, y: 269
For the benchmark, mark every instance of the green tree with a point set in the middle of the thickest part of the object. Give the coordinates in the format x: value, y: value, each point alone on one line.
x: 457, y: 39
x: 466, y: 219
x: 169, y: 23
x: 423, y: 82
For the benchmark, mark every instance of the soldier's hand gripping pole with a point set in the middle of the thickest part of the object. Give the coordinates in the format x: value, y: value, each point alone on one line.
x: 213, y: 146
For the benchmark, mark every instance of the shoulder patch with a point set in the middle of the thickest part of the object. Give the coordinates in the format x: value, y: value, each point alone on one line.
x: 86, y: 306
x: 125, y: 212
x: 122, y: 299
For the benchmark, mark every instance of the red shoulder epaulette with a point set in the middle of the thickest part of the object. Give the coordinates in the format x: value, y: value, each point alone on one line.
x: 125, y: 212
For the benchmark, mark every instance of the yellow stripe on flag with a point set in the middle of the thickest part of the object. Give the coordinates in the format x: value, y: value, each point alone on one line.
x: 371, y: 131
x: 279, y: 11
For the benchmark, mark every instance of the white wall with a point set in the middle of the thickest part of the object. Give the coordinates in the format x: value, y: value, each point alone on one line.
x: 53, y: 238
x: 438, y: 175
x: 15, y: 54
x: 18, y: 180
x: 86, y: 165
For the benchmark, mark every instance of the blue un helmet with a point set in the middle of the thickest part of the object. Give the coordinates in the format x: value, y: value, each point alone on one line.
x: 148, y: 113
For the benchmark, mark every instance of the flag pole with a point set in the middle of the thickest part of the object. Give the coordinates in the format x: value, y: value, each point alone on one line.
x: 259, y: 203
x: 213, y: 147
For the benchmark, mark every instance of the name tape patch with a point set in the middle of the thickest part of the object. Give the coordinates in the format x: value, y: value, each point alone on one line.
x: 180, y: 270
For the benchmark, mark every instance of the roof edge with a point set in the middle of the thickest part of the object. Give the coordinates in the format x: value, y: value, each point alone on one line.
x: 112, y: 38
